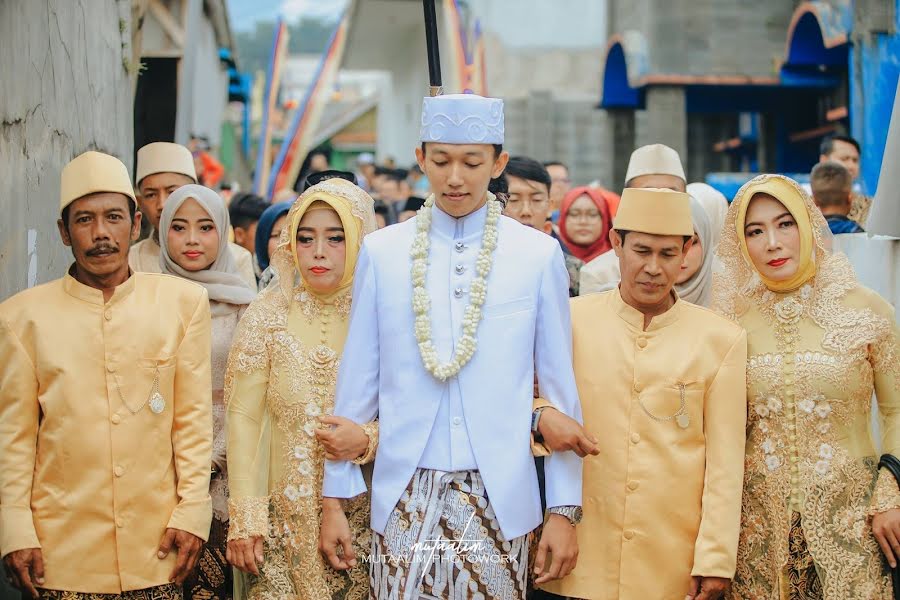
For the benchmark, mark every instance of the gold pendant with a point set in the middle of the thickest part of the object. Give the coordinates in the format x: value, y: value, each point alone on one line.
x: 157, y: 403
x: 683, y: 420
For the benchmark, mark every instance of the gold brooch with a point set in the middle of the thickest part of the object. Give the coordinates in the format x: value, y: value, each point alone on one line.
x: 157, y: 402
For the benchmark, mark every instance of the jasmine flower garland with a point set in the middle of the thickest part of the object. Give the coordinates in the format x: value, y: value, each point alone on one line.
x: 467, y: 344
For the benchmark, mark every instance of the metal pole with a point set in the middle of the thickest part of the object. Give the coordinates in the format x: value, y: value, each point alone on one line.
x: 434, y: 55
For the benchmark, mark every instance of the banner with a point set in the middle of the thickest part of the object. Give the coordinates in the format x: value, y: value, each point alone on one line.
x: 273, y: 78
x: 306, y: 119
x: 466, y: 53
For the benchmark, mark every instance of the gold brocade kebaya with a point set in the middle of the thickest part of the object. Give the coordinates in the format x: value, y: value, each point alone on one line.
x: 816, y: 352
x: 280, y: 380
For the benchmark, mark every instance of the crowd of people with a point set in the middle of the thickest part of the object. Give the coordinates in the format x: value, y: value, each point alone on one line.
x: 471, y: 379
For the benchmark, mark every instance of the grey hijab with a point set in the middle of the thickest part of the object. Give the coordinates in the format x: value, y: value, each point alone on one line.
x: 698, y: 289
x: 222, y: 279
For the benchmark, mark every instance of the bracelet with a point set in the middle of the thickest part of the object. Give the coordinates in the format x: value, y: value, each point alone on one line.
x: 371, y: 430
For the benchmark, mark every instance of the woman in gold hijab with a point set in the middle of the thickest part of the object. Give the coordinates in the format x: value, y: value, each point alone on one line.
x: 815, y: 506
x: 280, y: 394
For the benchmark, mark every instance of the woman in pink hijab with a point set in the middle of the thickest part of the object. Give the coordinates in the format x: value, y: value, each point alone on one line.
x: 585, y: 219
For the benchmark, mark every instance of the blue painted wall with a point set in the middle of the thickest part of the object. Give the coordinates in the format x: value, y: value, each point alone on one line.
x: 874, y: 70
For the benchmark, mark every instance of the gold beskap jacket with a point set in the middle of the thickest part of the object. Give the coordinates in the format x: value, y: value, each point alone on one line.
x: 662, y: 500
x: 105, y: 428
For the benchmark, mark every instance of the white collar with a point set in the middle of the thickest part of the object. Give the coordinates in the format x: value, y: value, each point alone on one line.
x: 457, y: 228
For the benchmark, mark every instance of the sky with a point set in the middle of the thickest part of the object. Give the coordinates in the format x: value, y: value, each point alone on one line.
x: 514, y: 21
x: 245, y: 13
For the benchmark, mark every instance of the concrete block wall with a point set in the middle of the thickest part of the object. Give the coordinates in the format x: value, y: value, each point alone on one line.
x: 664, y: 120
x: 704, y: 130
x: 516, y: 72
x: 570, y: 130
x: 699, y: 38
x: 583, y: 141
x: 721, y: 37
x: 707, y: 37
x: 71, y: 93
x: 623, y: 124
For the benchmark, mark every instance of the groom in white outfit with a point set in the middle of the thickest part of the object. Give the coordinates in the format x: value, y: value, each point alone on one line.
x: 454, y: 311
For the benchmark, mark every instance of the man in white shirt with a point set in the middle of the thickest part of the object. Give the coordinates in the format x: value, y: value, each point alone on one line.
x: 463, y: 328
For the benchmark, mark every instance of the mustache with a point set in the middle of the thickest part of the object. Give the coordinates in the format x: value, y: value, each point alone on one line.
x: 101, y: 248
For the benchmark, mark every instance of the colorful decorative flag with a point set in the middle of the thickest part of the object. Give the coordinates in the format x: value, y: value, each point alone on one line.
x: 457, y: 82
x: 273, y: 79
x: 479, y: 73
x: 466, y: 53
x: 306, y: 118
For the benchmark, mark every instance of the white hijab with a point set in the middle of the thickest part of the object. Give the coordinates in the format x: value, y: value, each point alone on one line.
x: 716, y: 206
x: 222, y: 279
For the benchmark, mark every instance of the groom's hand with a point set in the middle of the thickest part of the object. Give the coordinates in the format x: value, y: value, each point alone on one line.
x: 334, y: 534
x: 561, y: 432
x: 559, y: 540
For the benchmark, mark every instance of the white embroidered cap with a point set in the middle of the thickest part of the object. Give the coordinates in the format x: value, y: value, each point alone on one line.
x: 654, y: 159
x: 462, y: 119
x: 164, y: 157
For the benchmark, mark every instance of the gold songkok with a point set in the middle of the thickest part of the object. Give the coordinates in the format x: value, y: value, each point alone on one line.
x: 654, y: 211
x: 164, y: 157
x: 654, y: 159
x: 93, y: 172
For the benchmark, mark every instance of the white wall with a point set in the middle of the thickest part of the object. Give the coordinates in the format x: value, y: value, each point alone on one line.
x: 65, y: 90
x: 210, y: 86
x: 531, y: 24
x: 389, y: 35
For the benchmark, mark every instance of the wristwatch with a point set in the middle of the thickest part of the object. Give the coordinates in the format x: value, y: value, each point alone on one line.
x: 572, y: 513
x: 535, y: 420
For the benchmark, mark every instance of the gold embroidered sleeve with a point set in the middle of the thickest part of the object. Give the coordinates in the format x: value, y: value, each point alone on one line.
x: 885, y: 360
x: 886, y: 495
x: 371, y: 430
x: 885, y: 356
x: 246, y: 422
x: 248, y: 517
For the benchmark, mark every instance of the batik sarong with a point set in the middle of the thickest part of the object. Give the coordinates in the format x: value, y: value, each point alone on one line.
x: 800, y: 579
x: 443, y: 541
x: 168, y: 591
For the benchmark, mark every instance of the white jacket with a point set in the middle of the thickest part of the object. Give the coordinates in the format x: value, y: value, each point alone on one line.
x: 525, y: 326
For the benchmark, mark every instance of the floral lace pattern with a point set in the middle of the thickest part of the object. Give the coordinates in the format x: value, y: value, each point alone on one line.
x: 812, y: 359
x: 289, y: 342
x: 224, y: 325
x: 248, y: 517
x: 313, y: 307
x: 860, y: 205
x: 301, y: 389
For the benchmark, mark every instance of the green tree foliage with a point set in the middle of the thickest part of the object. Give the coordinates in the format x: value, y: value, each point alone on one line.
x: 306, y: 36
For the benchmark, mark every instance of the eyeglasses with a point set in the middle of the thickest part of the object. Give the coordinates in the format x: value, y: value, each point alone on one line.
x: 521, y: 202
x: 584, y: 216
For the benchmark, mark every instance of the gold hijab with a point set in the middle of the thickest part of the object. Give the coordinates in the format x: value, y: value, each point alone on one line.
x: 354, y: 207
x: 739, y: 277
